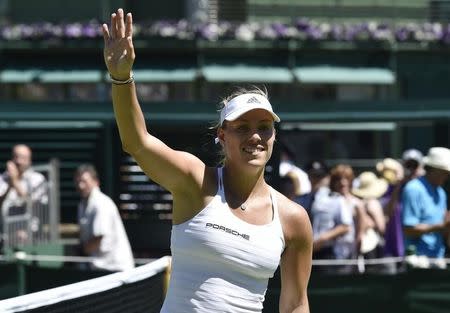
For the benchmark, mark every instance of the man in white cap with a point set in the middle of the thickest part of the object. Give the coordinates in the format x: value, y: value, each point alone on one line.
x: 412, y: 164
x: 424, y: 201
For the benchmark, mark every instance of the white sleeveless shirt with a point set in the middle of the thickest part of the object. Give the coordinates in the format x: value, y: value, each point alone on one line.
x: 221, y: 263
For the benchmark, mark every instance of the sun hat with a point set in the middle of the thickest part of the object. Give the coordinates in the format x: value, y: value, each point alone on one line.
x: 438, y: 157
x: 242, y: 104
x: 391, y: 170
x: 370, y: 186
x: 412, y: 154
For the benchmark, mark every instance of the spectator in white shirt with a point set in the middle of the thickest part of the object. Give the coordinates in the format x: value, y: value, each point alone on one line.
x: 102, y: 234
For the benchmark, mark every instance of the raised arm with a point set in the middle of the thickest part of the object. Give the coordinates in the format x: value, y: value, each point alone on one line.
x: 174, y: 170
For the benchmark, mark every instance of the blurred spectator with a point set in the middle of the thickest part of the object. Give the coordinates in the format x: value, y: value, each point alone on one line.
x: 412, y: 167
x: 289, y: 185
x: 20, y: 185
x: 341, y: 181
x: 341, y: 214
x: 412, y: 164
x: 287, y: 164
x: 424, y: 201
x: 333, y: 230
x: 370, y: 188
x: 318, y: 176
x: 394, y: 239
x: 392, y: 171
x: 102, y: 234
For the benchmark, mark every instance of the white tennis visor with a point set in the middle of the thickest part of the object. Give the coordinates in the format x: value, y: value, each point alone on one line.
x: 244, y: 103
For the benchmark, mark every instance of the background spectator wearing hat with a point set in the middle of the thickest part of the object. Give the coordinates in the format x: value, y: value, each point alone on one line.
x: 412, y: 164
x: 424, y: 201
x: 370, y: 188
x: 412, y: 168
x: 391, y: 170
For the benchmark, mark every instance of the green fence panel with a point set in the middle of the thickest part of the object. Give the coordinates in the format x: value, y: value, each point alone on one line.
x: 418, y: 291
x: 9, y: 286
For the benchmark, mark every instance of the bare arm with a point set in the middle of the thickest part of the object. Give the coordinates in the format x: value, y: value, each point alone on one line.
x: 296, y: 261
x: 447, y: 230
x: 330, y: 235
x: 375, y: 211
x: 174, y: 170
x: 92, y: 245
x: 420, y: 229
x: 362, y: 222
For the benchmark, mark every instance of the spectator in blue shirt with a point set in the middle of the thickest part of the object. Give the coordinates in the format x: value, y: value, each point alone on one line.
x: 424, y: 201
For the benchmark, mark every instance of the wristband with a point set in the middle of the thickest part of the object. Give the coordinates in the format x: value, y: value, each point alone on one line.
x: 121, y: 82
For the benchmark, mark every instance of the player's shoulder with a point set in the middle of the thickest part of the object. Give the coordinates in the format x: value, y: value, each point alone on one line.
x: 293, y: 216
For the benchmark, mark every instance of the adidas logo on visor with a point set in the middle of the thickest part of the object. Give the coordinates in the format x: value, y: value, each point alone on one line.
x: 253, y: 100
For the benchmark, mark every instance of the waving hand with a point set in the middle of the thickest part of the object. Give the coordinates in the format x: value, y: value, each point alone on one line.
x: 119, y: 51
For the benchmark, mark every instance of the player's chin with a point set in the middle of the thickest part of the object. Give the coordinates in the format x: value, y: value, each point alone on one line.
x: 258, y: 162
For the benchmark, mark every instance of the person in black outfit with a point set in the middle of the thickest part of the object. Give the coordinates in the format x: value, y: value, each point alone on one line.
x: 318, y: 175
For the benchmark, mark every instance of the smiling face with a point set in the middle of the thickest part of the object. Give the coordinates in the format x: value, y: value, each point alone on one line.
x: 249, y: 139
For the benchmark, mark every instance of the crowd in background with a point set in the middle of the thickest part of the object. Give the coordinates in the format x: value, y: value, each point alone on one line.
x: 397, y: 208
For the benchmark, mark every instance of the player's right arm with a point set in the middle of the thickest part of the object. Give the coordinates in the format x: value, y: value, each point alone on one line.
x: 174, y: 170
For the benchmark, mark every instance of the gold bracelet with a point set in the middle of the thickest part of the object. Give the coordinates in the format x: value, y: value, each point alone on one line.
x: 121, y: 82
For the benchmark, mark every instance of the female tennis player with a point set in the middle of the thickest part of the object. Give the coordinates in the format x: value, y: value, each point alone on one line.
x: 231, y: 229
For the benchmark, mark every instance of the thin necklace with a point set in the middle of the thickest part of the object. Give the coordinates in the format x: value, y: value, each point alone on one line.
x: 244, y: 205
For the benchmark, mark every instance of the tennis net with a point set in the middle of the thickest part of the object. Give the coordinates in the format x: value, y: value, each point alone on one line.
x: 135, y: 291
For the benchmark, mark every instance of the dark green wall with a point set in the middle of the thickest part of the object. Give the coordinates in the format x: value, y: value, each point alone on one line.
x: 418, y: 291
x: 85, y: 10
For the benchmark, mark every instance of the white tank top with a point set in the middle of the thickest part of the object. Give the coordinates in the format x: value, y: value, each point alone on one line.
x: 221, y: 263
